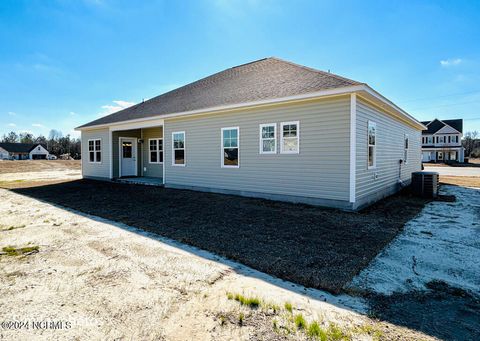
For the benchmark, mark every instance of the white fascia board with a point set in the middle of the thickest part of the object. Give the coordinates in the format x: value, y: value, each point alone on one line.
x: 397, y: 109
x: 153, y: 120
x: 211, y: 110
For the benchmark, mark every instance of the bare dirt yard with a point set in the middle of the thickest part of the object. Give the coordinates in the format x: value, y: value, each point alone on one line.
x: 27, y: 173
x: 66, y: 275
x: 316, y: 247
x: 96, y: 264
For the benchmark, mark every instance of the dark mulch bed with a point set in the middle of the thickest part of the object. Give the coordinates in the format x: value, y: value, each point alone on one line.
x: 315, y: 247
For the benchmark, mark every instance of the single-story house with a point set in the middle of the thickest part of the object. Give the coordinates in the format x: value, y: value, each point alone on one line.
x: 271, y: 129
x: 442, y: 141
x: 23, y: 151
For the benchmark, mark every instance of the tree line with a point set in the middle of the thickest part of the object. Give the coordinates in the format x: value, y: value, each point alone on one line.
x: 56, y: 143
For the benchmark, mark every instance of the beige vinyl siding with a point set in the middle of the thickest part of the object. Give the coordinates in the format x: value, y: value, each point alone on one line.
x: 96, y: 170
x: 115, y: 149
x: 320, y: 170
x: 151, y: 169
x: 390, y: 149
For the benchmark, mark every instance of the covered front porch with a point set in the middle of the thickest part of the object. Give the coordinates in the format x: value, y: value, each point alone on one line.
x: 137, y: 155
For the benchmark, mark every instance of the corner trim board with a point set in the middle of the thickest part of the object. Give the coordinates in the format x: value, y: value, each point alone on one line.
x: 353, y: 145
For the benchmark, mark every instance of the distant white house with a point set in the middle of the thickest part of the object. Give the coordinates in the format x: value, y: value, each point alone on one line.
x: 23, y: 151
x: 442, y: 141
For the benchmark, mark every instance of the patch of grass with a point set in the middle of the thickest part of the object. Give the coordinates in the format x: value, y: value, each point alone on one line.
x: 223, y: 320
x: 230, y: 296
x: 275, y: 308
x: 241, y: 318
x: 288, y: 307
x: 300, y: 322
x: 252, y: 302
x: 369, y: 329
x: 334, y: 333
x: 314, y: 331
x: 10, y: 228
x: 275, y: 325
x: 12, y: 251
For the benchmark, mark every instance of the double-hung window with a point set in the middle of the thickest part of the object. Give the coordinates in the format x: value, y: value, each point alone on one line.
x: 156, y: 150
x: 230, y: 147
x: 405, y: 149
x: 95, y: 151
x: 178, y: 148
x: 268, y: 138
x: 372, y: 144
x: 290, y: 137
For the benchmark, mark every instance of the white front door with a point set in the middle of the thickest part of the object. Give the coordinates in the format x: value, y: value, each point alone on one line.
x: 128, y: 156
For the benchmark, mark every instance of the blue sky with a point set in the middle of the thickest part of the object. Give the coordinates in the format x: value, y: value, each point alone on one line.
x: 64, y: 63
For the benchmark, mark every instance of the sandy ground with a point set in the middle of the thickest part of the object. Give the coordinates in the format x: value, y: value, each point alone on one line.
x: 21, y: 166
x: 97, y: 279
x: 429, y: 277
x: 111, y: 281
x: 442, y: 243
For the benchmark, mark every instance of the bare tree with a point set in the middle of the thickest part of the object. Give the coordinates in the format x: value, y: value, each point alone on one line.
x: 11, y: 137
x: 469, y: 142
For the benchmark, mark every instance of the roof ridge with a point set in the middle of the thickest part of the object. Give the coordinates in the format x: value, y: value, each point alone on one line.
x: 316, y: 70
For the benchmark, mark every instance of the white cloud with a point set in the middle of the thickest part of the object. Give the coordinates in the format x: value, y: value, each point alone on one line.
x: 12, y: 125
x: 11, y: 113
x: 72, y: 113
x: 110, y: 109
x: 38, y: 125
x: 451, y: 62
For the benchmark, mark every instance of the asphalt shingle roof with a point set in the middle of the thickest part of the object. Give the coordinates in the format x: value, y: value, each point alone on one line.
x: 436, y: 125
x: 18, y: 147
x: 263, y: 79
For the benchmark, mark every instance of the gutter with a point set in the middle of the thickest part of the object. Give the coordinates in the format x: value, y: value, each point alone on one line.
x: 283, y: 100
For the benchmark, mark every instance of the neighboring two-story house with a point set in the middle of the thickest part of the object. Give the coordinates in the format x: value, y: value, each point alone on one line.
x: 442, y: 141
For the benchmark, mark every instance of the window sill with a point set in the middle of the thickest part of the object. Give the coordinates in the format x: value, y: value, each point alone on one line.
x: 177, y: 165
x: 230, y: 166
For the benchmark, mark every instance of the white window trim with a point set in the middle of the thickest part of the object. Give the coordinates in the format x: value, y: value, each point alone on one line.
x: 184, y: 149
x: 95, y: 151
x: 374, y: 166
x: 222, y: 159
x: 282, y: 124
x: 261, y: 151
x: 158, y: 151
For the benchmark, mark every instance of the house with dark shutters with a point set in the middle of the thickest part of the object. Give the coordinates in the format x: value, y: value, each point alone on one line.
x: 442, y: 141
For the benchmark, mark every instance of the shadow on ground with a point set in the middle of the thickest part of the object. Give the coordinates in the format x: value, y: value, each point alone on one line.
x: 443, y: 311
x: 315, y: 247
